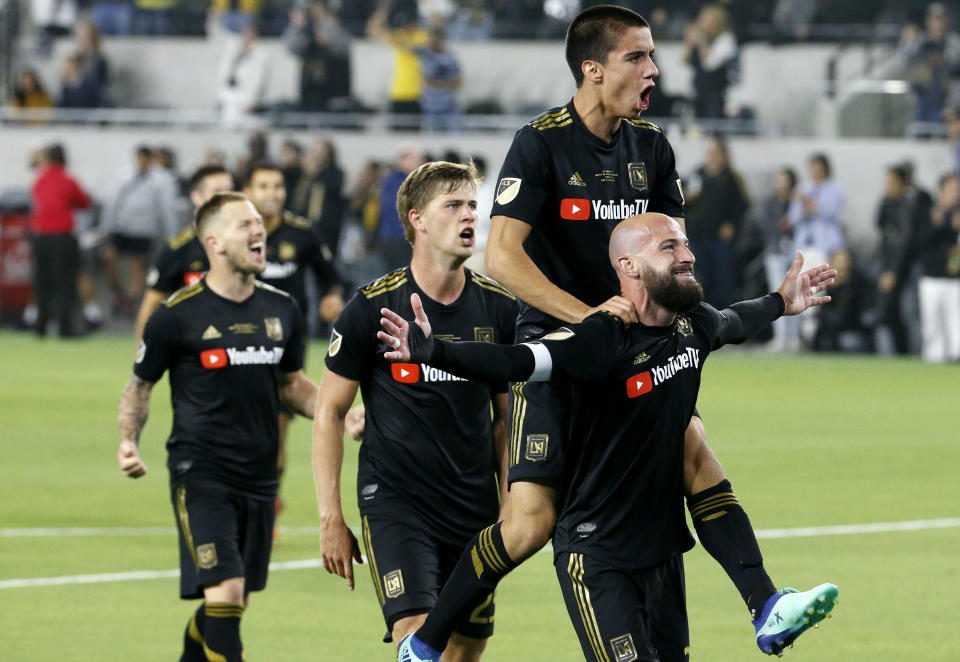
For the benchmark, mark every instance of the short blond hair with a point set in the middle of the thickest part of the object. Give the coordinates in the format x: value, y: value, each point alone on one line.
x: 427, y: 182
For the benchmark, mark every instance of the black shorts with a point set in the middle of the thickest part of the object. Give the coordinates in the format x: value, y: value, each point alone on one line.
x: 409, y: 566
x: 623, y: 615
x: 130, y: 245
x: 538, y: 428
x: 223, y: 535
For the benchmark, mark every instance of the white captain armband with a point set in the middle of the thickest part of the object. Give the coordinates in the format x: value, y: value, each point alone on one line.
x: 543, y: 362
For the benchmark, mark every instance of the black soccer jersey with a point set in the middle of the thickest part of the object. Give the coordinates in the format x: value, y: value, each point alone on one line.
x: 624, y: 500
x: 222, y: 357
x: 572, y: 188
x: 182, y: 261
x: 293, y: 248
x: 428, y: 437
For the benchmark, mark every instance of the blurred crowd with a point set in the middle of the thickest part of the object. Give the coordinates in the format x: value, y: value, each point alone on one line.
x: 426, y: 73
x: 900, y: 297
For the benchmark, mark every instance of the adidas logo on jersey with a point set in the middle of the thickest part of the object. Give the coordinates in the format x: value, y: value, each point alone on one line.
x: 576, y: 180
x: 211, y: 333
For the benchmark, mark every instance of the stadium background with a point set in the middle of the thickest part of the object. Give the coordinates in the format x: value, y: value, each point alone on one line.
x: 810, y: 440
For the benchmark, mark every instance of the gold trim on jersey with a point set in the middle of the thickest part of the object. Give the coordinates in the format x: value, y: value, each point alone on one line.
x: 372, y: 560
x: 184, y: 293
x: 493, y: 286
x: 552, y: 120
x: 387, y: 283
x: 183, y: 518
x: 270, y: 288
x: 643, y: 124
x: 516, y: 423
x: 585, y: 606
x: 182, y: 239
x: 296, y: 221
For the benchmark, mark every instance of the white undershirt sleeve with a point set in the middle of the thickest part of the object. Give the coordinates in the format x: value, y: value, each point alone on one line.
x: 543, y: 362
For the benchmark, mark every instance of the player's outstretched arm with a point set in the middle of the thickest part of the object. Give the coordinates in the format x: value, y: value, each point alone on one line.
x: 132, y: 415
x: 482, y: 361
x: 298, y: 392
x: 338, y: 545
x: 801, y: 289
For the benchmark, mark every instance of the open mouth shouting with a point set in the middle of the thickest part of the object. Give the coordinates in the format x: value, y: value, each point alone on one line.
x: 644, y: 101
x: 258, y: 250
x: 467, y: 237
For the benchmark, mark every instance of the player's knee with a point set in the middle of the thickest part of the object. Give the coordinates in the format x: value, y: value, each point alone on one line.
x: 404, y: 626
x: 524, y: 534
x: 230, y: 591
x: 463, y: 649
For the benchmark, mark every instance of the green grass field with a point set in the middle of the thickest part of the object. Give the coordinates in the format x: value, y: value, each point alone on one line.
x: 808, y: 441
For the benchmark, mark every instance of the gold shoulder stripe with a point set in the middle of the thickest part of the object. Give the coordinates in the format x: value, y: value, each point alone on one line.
x: 296, y: 221
x: 270, y: 288
x: 548, y: 118
x: 384, y: 289
x: 493, y: 286
x: 641, y: 124
x: 554, y: 126
x: 183, y: 294
x: 388, y: 279
x: 550, y: 114
x: 182, y: 239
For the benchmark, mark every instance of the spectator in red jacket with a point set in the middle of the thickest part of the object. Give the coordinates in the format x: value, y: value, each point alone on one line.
x: 56, y: 256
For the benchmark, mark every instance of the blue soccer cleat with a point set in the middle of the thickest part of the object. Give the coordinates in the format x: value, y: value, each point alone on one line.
x: 412, y: 649
x: 789, y: 613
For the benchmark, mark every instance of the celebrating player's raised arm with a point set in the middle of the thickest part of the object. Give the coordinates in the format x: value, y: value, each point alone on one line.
x: 132, y: 415
x: 338, y: 545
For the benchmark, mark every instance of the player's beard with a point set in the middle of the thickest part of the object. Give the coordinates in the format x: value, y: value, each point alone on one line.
x: 677, y: 296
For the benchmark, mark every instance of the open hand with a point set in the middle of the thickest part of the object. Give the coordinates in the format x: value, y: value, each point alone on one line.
x: 398, y: 330
x: 803, y: 290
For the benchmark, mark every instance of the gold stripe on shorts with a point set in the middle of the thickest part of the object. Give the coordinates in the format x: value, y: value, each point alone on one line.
x: 372, y: 560
x: 587, y: 615
x: 516, y: 424
x: 183, y: 517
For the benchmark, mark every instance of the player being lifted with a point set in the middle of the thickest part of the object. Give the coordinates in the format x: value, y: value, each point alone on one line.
x: 234, y: 348
x: 418, y: 419
x: 621, y: 532
x: 569, y: 178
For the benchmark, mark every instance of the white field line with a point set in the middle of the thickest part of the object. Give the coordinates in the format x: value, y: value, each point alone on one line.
x: 801, y: 532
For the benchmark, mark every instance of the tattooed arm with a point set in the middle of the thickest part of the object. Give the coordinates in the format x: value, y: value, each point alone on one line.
x: 131, y: 417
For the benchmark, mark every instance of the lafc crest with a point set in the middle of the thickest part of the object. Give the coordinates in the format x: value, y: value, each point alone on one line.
x: 684, y: 326
x: 274, y: 328
x: 207, y: 556
x: 623, y: 648
x: 287, y: 251
x: 638, y: 175
x: 393, y: 584
x: 537, y: 447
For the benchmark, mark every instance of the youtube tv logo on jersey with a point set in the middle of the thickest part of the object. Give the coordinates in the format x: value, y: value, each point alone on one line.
x: 405, y: 373
x: 575, y: 209
x: 214, y: 359
x: 640, y: 384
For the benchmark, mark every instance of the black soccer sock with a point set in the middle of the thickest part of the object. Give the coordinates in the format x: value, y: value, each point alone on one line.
x: 724, y: 531
x: 221, y: 632
x: 482, y: 565
x: 193, y: 637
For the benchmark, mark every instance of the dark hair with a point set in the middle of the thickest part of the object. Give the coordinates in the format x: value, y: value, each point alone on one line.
x: 791, y: 175
x: 822, y: 159
x: 256, y: 167
x: 212, y: 207
x: 201, y: 173
x: 900, y: 172
x: 594, y: 32
x: 55, y: 153
x: 144, y: 151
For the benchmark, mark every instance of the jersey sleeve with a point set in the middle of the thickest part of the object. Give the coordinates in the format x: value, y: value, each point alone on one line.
x: 294, y: 349
x: 523, y: 186
x: 580, y: 352
x: 667, y: 195
x: 353, y: 341
x: 166, y: 275
x: 740, y: 321
x: 158, y: 347
x: 321, y: 261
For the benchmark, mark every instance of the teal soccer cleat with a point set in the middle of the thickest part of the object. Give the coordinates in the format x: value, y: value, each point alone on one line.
x: 412, y: 649
x: 789, y: 613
